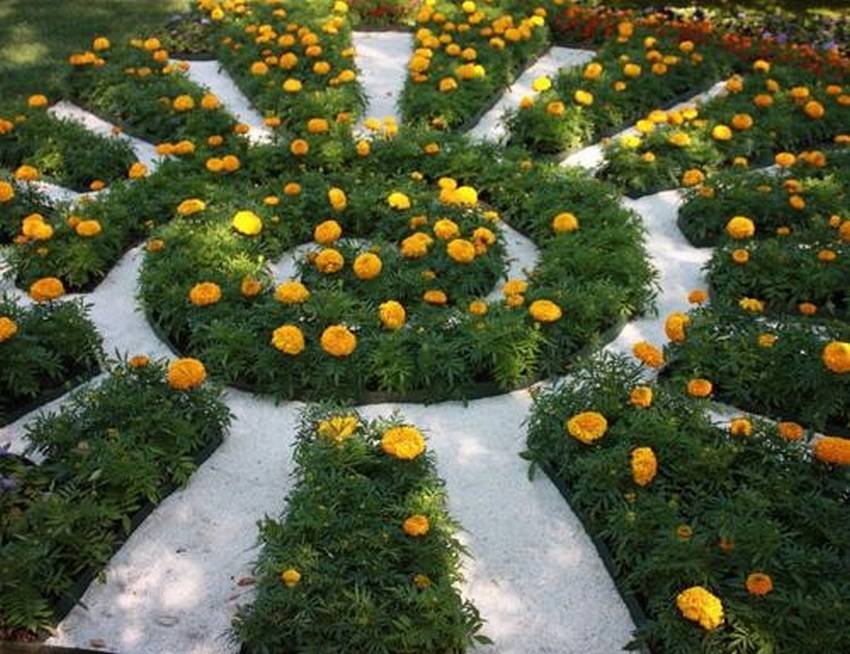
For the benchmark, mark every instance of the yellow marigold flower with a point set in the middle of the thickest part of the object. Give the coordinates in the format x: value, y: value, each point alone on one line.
x: 392, y: 314
x: 247, y: 223
x: 545, y: 311
x: 699, y: 605
x: 97, y: 185
x: 291, y: 577
x: 204, y: 294
x: 631, y: 70
x: 807, y: 308
x: 292, y: 85
x: 740, y: 227
x: 416, y: 245
x: 288, y: 339
x: 398, y: 201
x: 88, y: 228
x: 191, y: 206
x: 138, y: 361
x: 699, y: 387
x: 564, y: 222
x: 291, y: 292
x: 447, y: 85
x: 461, y: 250
x: 446, y: 229
x: 836, y: 357
x: 833, y: 450
x: 675, y: 325
x: 46, y: 289
x: 404, y: 442
x: 514, y: 287
x: 752, y: 305
x: 210, y: 102
x: 292, y: 189
x: 721, y: 133
x: 759, y: 584
x: 155, y: 245
x: 327, y: 232
x: 435, y: 297
x: 186, y: 374
x: 329, y: 261
x: 761, y: 66
x: 766, y: 340
x: 814, y: 109
x: 299, y: 147
x: 790, y: 431
x: 259, y: 68
x: 592, y: 71
x: 416, y: 525
x: 741, y: 427
x: 8, y: 328
x: 679, y: 139
x: 421, y: 581
x: 337, y: 199
x: 101, y: 43
x: 338, y: 428
x: 785, y: 159
x: 478, y: 308
x: 583, y: 98
x: 641, y: 396
x: 587, y: 427
x: 338, y: 341
x: 183, y: 103
x: 742, y: 122
x: 250, y: 287
x: 556, y: 108
x: 26, y: 173
x: 644, y: 465
x: 7, y: 191
x: 541, y: 84
x: 37, y: 101
x: 367, y: 266
x: 364, y: 148
x: 648, y: 354
x: 137, y: 170
x: 318, y: 126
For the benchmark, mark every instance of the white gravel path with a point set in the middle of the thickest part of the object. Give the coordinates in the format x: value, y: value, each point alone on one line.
x: 144, y: 151
x: 211, y: 75
x: 535, y: 576
x: 382, y: 60
x: 491, y: 126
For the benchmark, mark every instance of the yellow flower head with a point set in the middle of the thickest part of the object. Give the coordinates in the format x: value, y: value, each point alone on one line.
x: 338, y: 341
x: 288, y: 339
x: 186, y: 374
x: 587, y: 427
x: 404, y: 442
x: 699, y: 605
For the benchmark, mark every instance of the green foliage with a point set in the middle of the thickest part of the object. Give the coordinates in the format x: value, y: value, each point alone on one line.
x: 111, y: 451
x: 423, y: 103
x: 781, y: 126
x: 452, y: 350
x: 786, y: 381
x: 538, y: 129
x: 63, y: 151
x: 342, y: 532
x: 56, y: 347
x: 783, y: 514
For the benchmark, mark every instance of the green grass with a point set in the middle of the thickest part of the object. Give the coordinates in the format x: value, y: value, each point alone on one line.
x: 36, y: 36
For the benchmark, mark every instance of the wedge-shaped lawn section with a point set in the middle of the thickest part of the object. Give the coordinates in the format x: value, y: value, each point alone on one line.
x: 365, y: 558
x: 753, y: 524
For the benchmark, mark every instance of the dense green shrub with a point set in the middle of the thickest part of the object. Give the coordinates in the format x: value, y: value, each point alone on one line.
x: 54, y: 347
x: 720, y: 508
x: 110, y: 452
x: 340, y: 572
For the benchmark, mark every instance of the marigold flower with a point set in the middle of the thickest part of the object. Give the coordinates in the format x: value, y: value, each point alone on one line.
x: 545, y: 311
x: 648, y: 354
x: 675, y: 325
x: 46, y: 289
x: 186, y: 374
x: 250, y: 287
x: 478, y: 308
x: 205, y: 294
x: 564, y: 222
x: 741, y: 427
x: 587, y: 427
x: 327, y: 232
x: 291, y: 577
x: 814, y: 109
x: 416, y: 525
x: 392, y: 314
x: 299, y: 147
x: 338, y: 428
x: 191, y: 206
x: 833, y: 450
x: 137, y: 170
x: 8, y: 328
x: 7, y: 191
x: 329, y: 261
x: 759, y: 584
x: 26, y: 173
x: 751, y: 305
x: 697, y: 296
x: 138, y: 361
x: 790, y: 431
x: 247, y: 223
x: 461, y: 251
x: 766, y: 340
x: 367, y: 266
x: 721, y: 133
x: 37, y: 101
x: 836, y: 357
x: 699, y: 605
x: 807, y: 308
x: 693, y: 177
x: 644, y: 465
x: 699, y: 387
x: 740, y: 227
x: 183, y: 103
x: 288, y: 339
x: 88, y: 228
x: 641, y: 396
x: 337, y: 199
x: 435, y: 297
x: 404, y: 442
x: 291, y: 292
x: 416, y: 245
x: 338, y: 341
x: 446, y: 229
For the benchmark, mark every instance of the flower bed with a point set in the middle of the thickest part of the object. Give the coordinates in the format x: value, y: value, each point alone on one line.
x: 46, y: 350
x: 294, y: 62
x: 365, y: 558
x: 770, y: 109
x: 644, y: 68
x: 110, y: 455
x: 727, y: 538
x: 138, y: 88
x: 38, y: 145
x: 465, y: 54
x: 391, y: 296
x: 784, y: 368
